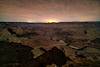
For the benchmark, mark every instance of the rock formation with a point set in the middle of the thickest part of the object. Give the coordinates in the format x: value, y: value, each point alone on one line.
x: 49, y: 45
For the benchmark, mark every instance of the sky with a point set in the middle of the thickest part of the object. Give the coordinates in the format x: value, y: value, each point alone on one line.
x: 49, y: 10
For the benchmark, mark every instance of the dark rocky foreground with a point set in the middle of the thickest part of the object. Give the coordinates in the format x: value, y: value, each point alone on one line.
x: 17, y: 55
x: 50, y: 45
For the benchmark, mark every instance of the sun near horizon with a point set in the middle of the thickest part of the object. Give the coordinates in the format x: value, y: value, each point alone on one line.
x: 52, y: 21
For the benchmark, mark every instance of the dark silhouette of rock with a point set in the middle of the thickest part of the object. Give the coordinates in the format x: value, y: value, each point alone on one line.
x: 53, y: 56
x: 96, y: 43
x: 23, y: 53
x: 16, y: 54
x: 85, y: 31
x: 97, y: 40
x: 42, y: 49
x: 27, y: 35
x: 11, y: 31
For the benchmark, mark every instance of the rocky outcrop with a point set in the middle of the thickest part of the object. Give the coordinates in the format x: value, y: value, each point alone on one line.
x: 53, y: 56
x: 40, y: 45
x: 19, y: 32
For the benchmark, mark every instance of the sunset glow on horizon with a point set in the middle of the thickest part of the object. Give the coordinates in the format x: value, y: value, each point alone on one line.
x: 49, y: 10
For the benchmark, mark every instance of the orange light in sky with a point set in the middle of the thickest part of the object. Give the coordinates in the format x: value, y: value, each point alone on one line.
x: 52, y: 21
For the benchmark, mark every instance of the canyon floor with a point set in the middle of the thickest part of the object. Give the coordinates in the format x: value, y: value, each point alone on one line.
x: 66, y: 44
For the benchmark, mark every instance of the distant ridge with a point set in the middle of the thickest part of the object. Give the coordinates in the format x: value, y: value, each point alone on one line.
x: 50, y: 25
x: 54, y: 22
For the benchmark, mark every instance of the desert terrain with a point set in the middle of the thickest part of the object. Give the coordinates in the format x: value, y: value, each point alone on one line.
x: 64, y: 44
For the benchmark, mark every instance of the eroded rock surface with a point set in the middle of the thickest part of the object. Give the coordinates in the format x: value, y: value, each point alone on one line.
x: 54, y: 45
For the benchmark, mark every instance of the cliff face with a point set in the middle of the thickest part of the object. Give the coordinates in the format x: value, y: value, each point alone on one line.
x: 41, y: 45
